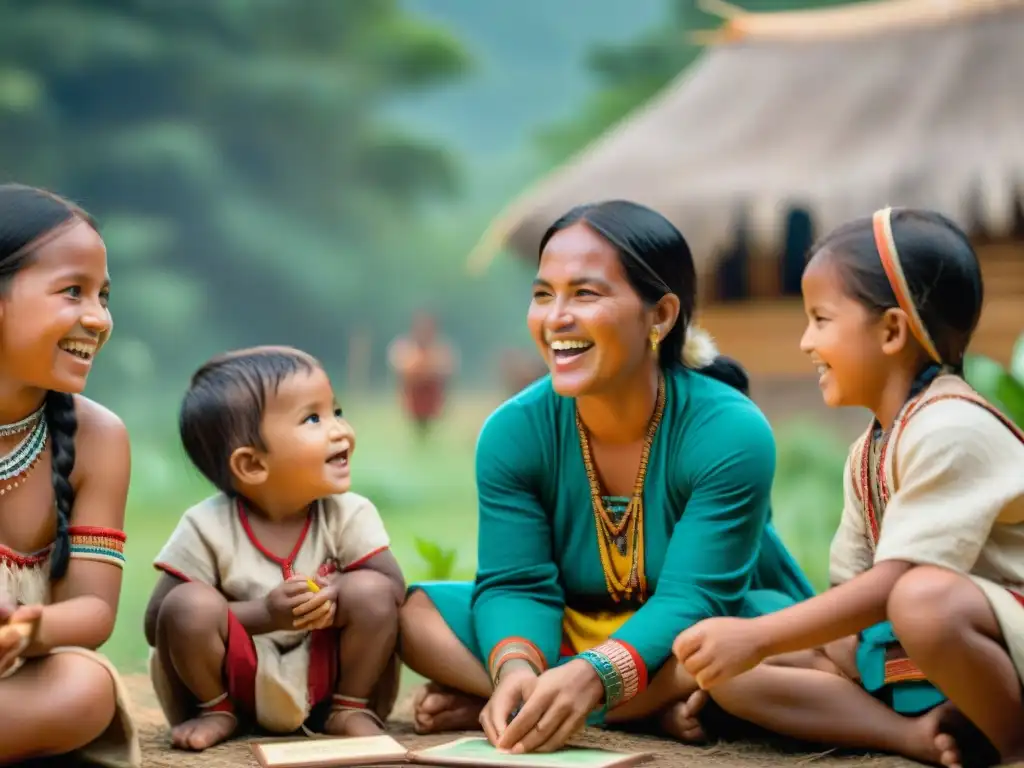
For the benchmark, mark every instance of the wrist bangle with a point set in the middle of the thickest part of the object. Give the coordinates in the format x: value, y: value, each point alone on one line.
x: 525, y: 661
x: 609, y: 676
x: 514, y: 649
x: 618, y: 671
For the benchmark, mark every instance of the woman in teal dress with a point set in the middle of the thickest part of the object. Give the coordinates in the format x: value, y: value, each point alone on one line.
x: 622, y: 498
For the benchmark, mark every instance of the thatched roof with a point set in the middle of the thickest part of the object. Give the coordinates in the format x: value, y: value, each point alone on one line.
x: 837, y: 112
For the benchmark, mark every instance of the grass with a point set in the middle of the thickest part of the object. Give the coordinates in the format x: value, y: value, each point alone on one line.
x: 426, y: 494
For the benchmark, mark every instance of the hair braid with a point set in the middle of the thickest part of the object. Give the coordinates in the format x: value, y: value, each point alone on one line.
x: 62, y: 425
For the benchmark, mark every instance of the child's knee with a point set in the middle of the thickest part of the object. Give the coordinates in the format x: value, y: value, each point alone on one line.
x: 84, y: 697
x: 368, y: 599
x: 192, y: 609
x: 927, y: 602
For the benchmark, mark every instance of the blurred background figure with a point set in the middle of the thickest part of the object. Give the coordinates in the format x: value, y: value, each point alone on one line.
x: 424, y: 363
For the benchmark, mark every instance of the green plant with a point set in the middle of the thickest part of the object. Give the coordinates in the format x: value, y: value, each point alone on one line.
x: 807, y: 496
x: 440, y: 561
x: 1003, y: 387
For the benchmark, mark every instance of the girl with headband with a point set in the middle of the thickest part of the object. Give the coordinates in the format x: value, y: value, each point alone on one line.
x: 918, y: 648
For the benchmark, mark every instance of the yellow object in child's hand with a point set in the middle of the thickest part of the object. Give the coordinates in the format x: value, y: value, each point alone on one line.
x: 313, y: 586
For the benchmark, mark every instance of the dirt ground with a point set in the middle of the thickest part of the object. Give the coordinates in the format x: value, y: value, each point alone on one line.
x: 237, y: 754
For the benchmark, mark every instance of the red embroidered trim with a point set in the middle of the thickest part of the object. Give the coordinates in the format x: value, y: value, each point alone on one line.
x: 284, y: 562
x: 362, y: 560
x: 91, y: 530
x: 20, y: 560
x: 171, y: 571
x: 871, y: 515
x: 914, y: 406
x: 901, y: 671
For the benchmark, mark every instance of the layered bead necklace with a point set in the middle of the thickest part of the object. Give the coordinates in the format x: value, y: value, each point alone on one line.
x: 626, y: 532
x: 16, y: 465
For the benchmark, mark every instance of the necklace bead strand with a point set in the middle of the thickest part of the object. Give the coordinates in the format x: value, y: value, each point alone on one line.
x: 630, y: 526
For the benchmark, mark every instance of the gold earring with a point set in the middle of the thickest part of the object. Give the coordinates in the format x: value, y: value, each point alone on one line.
x: 655, y: 338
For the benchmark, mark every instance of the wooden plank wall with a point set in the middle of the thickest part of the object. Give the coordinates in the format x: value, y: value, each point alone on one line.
x: 764, y: 333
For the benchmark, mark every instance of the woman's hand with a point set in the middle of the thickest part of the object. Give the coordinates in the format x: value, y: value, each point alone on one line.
x: 715, y: 650
x: 514, y: 687
x: 17, y: 634
x: 555, y: 710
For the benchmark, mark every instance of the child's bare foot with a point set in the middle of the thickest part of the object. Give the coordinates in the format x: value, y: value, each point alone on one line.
x: 943, y: 736
x: 931, y: 738
x: 438, y: 708
x: 353, y: 722
x: 681, y: 720
x: 203, y: 732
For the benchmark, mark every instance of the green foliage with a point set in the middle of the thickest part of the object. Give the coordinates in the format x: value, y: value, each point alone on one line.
x: 1003, y: 387
x: 440, y: 561
x: 236, y: 154
x: 807, y: 497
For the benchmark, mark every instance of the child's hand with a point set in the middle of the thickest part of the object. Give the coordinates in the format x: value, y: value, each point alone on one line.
x: 319, y: 608
x: 17, y: 634
x: 718, y: 649
x: 283, y: 599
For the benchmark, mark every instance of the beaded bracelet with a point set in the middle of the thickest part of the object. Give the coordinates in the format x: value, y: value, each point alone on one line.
x: 617, y: 670
x: 609, y: 675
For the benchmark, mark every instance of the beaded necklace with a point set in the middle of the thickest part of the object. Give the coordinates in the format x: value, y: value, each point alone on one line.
x: 22, y: 426
x: 18, y: 463
x: 613, y: 530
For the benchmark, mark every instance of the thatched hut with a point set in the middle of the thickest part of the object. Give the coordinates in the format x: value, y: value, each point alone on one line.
x: 791, y: 123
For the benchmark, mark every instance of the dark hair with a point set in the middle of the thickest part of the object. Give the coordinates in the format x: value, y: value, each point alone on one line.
x: 657, y: 261
x: 29, y: 217
x: 940, y: 266
x: 223, y: 408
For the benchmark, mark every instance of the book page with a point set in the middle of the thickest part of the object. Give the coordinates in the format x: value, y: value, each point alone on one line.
x: 478, y: 751
x: 311, y: 753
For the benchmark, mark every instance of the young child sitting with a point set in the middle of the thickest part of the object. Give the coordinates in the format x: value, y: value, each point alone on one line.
x: 279, y: 597
x: 65, y: 462
x: 918, y: 649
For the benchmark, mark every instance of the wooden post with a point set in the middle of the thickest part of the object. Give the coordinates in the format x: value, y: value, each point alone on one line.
x: 765, y: 273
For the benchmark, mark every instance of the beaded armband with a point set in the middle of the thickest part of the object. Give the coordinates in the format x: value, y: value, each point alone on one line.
x: 105, y: 545
x: 514, y: 648
x: 622, y: 671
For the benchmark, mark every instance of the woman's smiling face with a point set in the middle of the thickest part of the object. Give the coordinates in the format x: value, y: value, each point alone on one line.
x: 588, y: 322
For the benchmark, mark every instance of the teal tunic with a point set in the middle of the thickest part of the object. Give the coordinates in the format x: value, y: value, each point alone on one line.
x: 710, y: 548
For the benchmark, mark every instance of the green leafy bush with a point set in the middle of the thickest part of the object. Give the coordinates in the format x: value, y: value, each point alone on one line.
x: 440, y: 561
x: 1003, y: 387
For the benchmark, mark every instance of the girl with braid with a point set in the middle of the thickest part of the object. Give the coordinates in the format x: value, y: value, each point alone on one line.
x: 921, y: 637
x: 64, y: 469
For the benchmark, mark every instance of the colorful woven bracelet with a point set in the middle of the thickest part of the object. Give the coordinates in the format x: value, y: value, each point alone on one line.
x: 621, y: 674
x: 104, y: 545
x: 609, y: 675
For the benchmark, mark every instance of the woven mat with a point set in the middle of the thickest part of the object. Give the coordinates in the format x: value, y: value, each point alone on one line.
x: 236, y: 754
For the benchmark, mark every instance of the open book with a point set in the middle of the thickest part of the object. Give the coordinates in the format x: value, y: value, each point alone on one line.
x: 384, y: 750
